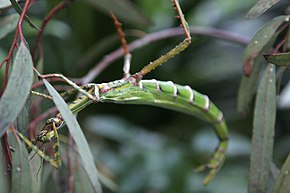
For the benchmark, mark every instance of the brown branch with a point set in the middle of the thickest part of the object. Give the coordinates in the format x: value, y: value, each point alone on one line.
x: 172, y: 32
x: 45, y: 21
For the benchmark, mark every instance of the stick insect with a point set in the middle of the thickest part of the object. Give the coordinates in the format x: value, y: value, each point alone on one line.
x: 132, y: 89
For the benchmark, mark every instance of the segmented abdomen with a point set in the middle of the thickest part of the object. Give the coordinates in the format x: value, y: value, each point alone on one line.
x: 184, y: 99
x: 201, y: 104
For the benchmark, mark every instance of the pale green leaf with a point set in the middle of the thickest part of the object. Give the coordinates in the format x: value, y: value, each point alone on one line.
x: 4, y: 4
x: 263, y: 132
x: 18, y: 88
x: 260, y: 7
x: 8, y: 24
x: 21, y: 174
x: 19, y: 11
x: 78, y: 136
x: 253, y: 61
x: 3, y: 173
x: 282, y: 184
x: 124, y: 10
x: 260, y: 42
x: 280, y: 59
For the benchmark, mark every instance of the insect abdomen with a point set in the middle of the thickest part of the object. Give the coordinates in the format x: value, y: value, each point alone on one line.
x: 185, y: 99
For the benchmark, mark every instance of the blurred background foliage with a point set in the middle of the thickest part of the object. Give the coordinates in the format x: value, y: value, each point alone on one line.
x: 143, y: 148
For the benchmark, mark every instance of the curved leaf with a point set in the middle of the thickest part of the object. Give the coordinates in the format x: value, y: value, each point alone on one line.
x: 260, y: 7
x: 263, y: 132
x: 123, y: 9
x: 253, y: 61
x: 4, y: 4
x: 261, y: 42
x: 21, y: 175
x: 18, y: 88
x: 8, y: 24
x: 280, y: 59
x: 19, y: 11
x: 282, y: 184
x: 3, y: 173
x: 78, y: 136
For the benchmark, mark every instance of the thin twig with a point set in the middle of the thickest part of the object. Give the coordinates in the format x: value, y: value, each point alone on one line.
x: 172, y: 32
x: 45, y: 21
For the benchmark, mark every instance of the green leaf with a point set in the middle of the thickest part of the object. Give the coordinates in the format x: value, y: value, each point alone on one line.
x: 247, y: 90
x: 3, y: 173
x: 124, y: 10
x: 4, y: 4
x: 261, y: 42
x: 78, y: 136
x: 253, y: 61
x: 21, y: 175
x: 260, y: 7
x: 280, y: 59
x: 18, y: 88
x: 8, y: 24
x: 263, y: 132
x: 282, y: 184
x: 19, y: 11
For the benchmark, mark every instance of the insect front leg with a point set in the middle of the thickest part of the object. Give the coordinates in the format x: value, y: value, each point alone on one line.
x: 32, y: 146
x: 75, y: 86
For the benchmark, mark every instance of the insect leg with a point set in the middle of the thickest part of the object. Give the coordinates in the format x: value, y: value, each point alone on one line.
x: 53, y: 162
x: 78, y: 88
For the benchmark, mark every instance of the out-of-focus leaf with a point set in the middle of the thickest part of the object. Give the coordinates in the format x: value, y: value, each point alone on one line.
x: 21, y: 175
x: 4, y: 4
x: 78, y: 136
x: 280, y: 59
x: 98, y: 48
x: 18, y: 88
x: 3, y: 173
x: 284, y: 98
x: 23, y: 118
x: 19, y: 11
x: 124, y: 10
x: 260, y: 7
x: 253, y: 61
x: 36, y: 171
x: 82, y: 182
x: 8, y: 24
x: 260, y: 42
x: 247, y: 89
x: 282, y: 184
x: 263, y: 132
x: 274, y: 171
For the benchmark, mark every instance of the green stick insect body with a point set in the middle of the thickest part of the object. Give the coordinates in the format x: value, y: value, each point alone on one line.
x: 133, y: 90
x: 155, y: 93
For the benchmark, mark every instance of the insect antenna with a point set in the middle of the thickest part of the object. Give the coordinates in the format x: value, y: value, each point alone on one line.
x: 127, y: 55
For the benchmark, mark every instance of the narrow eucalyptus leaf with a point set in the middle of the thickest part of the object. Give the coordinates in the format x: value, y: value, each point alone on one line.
x: 263, y: 132
x: 8, y: 24
x: 253, y: 61
x: 21, y: 174
x: 280, y: 59
x: 260, y: 7
x: 78, y: 136
x: 3, y: 173
x: 121, y: 8
x: 19, y: 11
x: 18, y: 88
x: 4, y: 4
x: 261, y: 41
x: 282, y: 184
x: 247, y: 89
